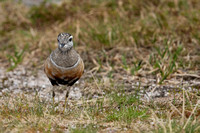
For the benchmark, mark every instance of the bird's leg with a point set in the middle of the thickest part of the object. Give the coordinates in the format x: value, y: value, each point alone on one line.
x: 66, y: 96
x: 53, y: 96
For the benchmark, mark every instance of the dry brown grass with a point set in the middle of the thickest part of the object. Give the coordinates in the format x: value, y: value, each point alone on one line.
x: 125, y: 43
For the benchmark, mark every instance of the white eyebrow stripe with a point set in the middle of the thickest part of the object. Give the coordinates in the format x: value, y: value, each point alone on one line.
x: 65, y: 68
x: 71, y: 37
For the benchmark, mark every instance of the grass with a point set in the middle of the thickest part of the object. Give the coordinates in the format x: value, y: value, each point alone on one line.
x: 124, y: 44
x: 22, y: 113
x: 84, y: 129
x: 16, y: 58
x: 126, y: 108
x: 165, y: 61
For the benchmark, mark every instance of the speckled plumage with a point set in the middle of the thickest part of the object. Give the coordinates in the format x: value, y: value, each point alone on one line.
x: 65, y: 59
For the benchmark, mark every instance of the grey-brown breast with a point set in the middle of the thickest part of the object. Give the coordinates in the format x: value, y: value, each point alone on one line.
x: 64, y: 69
x: 64, y: 59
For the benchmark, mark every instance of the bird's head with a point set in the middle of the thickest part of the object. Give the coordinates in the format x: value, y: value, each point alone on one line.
x: 65, y: 41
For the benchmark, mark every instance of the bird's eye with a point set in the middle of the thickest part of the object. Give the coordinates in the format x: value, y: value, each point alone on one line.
x: 70, y: 39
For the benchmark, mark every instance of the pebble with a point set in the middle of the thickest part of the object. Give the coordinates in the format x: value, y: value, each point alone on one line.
x: 5, y: 90
x: 75, y: 93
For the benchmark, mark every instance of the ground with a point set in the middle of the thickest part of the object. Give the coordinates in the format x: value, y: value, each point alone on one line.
x: 141, y: 66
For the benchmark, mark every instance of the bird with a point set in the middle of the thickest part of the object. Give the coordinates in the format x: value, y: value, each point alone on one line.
x: 64, y: 66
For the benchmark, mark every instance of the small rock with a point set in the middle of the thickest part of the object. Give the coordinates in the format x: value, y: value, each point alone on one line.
x: 5, y: 90
x: 75, y: 93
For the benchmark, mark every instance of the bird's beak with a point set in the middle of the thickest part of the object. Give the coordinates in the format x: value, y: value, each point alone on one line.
x: 62, y: 45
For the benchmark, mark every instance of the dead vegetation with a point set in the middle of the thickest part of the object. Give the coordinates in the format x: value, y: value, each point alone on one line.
x: 141, y: 59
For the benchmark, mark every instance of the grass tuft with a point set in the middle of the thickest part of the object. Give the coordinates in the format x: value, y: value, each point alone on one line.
x: 126, y: 108
x: 16, y: 58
